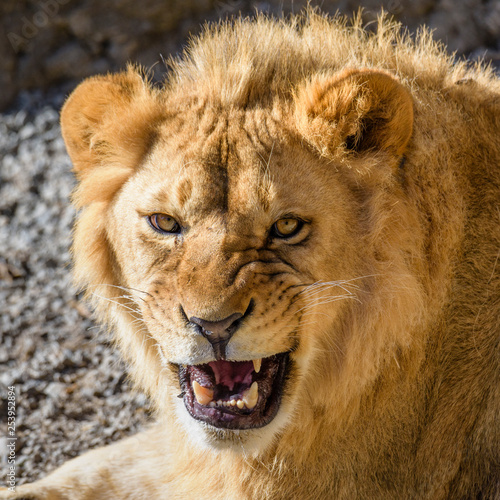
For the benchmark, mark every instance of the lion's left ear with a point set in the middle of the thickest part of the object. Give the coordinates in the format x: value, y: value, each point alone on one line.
x: 108, y: 124
x: 356, y: 110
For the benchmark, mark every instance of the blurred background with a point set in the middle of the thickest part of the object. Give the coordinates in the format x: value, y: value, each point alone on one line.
x: 45, y: 42
x: 71, y: 388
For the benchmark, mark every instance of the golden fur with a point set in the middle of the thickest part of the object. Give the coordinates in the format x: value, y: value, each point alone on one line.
x: 389, y: 301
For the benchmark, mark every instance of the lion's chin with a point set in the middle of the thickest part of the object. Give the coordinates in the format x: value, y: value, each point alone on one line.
x: 234, y: 395
x: 250, y: 442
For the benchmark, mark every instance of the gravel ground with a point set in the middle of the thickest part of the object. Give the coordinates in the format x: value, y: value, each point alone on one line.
x: 71, y: 388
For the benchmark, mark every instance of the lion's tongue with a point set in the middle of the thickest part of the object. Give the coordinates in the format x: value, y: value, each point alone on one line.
x: 224, y: 381
x: 230, y: 373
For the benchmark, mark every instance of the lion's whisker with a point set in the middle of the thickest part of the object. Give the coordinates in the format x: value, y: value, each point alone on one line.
x: 319, y: 301
x: 124, y: 288
x: 116, y: 303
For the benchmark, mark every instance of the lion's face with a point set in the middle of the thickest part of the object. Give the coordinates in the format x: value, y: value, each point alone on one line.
x: 240, y: 244
x: 231, y: 250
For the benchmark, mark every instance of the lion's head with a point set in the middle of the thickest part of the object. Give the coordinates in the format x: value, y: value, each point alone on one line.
x: 246, y: 235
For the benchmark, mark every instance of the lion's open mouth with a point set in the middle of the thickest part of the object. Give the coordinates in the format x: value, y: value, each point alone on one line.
x: 234, y: 394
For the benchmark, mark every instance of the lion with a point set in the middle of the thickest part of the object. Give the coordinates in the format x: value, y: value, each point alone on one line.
x: 295, y: 240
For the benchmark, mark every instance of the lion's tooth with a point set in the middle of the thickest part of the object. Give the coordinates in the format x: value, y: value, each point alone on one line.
x: 240, y: 404
x: 203, y: 395
x: 250, y: 396
x: 257, y: 363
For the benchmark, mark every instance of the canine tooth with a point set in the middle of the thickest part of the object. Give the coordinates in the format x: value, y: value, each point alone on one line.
x: 240, y: 404
x: 257, y: 363
x: 250, y: 396
x: 203, y: 395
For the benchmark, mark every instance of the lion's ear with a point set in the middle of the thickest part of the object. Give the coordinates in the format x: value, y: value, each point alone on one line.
x: 108, y: 124
x: 357, y: 110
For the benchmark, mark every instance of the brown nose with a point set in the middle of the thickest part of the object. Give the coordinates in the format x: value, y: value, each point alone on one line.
x: 218, y: 333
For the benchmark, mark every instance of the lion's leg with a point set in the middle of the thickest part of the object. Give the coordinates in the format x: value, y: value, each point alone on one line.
x: 127, y: 469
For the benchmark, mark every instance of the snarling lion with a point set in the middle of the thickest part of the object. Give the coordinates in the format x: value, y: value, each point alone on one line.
x: 296, y: 242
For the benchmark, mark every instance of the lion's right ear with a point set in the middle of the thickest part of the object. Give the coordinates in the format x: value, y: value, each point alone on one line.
x: 108, y: 124
x: 355, y: 111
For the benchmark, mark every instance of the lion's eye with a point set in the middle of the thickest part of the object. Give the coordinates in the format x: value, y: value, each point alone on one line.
x: 164, y: 223
x: 286, y: 228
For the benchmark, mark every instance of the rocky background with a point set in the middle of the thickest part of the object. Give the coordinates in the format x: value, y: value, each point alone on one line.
x: 44, y: 42
x: 71, y: 388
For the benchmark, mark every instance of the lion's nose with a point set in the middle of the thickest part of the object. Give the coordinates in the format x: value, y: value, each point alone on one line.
x: 218, y: 333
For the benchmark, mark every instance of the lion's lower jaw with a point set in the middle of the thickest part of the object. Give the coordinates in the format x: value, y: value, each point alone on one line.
x: 250, y: 442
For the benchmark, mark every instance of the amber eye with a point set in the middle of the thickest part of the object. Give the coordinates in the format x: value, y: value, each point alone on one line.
x: 286, y: 228
x: 164, y: 223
